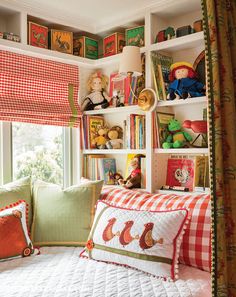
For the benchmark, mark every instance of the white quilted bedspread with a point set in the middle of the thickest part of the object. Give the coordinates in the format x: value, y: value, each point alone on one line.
x: 59, y: 272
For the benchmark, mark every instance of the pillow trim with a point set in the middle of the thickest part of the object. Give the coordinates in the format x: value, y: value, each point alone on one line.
x: 176, y: 242
x: 62, y: 243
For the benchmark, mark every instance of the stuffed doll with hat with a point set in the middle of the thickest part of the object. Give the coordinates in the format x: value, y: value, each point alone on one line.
x: 184, y: 83
x: 97, y: 97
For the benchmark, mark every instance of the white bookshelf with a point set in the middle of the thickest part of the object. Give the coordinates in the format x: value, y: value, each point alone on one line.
x: 188, y: 101
x: 13, y: 18
x: 182, y: 151
x: 180, y: 43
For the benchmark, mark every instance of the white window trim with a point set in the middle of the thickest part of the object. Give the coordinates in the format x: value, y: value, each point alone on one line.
x: 6, y: 152
x: 71, y: 160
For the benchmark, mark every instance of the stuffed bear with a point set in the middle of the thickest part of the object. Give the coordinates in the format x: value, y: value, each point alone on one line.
x: 115, y: 138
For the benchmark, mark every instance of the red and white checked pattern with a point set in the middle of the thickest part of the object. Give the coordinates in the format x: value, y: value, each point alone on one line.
x: 196, y: 245
x: 36, y: 90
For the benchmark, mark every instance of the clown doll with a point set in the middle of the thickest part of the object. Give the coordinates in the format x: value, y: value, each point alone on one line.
x: 184, y: 83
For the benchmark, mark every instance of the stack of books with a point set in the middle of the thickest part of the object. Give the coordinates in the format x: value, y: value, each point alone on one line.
x: 134, y: 131
x: 97, y: 167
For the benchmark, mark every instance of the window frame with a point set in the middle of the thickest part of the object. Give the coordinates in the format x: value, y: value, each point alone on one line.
x: 71, y: 160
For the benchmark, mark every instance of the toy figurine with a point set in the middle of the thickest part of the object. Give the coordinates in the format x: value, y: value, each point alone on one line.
x: 176, y: 137
x: 134, y: 179
x: 97, y: 98
x: 184, y: 83
x: 100, y: 140
x: 115, y: 135
x: 169, y: 33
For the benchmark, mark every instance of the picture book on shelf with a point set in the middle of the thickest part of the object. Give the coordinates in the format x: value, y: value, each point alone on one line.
x: 161, y: 69
x: 128, y: 168
x: 180, y: 172
x: 162, y: 121
x: 107, y: 170
x: 117, y: 86
x: 201, y: 172
x: 90, y: 125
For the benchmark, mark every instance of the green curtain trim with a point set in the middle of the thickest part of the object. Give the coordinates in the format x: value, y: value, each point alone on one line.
x: 72, y: 105
x: 210, y: 86
x: 133, y: 255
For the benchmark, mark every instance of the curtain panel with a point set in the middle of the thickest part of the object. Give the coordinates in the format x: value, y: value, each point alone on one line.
x: 38, y: 91
x: 220, y: 35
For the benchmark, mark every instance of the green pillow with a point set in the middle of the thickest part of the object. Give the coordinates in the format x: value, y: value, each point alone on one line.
x: 15, y: 191
x: 63, y: 217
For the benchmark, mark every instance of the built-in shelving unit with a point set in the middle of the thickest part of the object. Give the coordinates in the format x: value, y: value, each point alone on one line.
x: 155, y: 18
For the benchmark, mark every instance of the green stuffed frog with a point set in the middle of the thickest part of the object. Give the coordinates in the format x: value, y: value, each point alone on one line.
x: 176, y: 138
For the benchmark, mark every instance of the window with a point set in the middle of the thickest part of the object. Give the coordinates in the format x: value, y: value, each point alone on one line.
x: 37, y: 151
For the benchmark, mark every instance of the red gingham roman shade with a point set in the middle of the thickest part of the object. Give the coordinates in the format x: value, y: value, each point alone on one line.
x: 38, y: 91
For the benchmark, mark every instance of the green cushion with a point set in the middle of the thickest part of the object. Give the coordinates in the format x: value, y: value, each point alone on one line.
x: 15, y: 191
x: 63, y: 217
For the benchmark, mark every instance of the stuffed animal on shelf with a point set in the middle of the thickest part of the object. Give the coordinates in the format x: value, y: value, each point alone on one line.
x: 97, y: 97
x: 134, y: 179
x: 100, y: 140
x: 115, y: 135
x: 117, y: 176
x: 176, y: 138
x: 184, y: 83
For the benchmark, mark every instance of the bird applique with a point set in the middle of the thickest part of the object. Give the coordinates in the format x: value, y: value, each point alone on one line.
x: 146, y: 240
x: 107, y: 234
x: 125, y: 236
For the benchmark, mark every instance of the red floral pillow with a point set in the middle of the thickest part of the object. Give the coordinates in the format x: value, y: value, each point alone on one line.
x: 14, y: 238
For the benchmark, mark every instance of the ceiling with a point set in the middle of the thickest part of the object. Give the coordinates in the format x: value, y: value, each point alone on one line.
x: 95, y: 14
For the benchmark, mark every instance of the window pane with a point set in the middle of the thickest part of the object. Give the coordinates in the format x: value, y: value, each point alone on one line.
x: 37, y: 152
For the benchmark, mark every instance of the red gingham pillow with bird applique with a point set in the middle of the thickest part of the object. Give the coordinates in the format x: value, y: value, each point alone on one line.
x: 145, y: 240
x: 195, y: 249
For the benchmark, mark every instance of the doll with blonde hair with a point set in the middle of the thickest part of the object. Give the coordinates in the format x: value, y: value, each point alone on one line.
x: 97, y: 97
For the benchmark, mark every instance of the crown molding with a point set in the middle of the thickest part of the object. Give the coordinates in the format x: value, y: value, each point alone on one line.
x: 91, y: 25
x: 56, y: 16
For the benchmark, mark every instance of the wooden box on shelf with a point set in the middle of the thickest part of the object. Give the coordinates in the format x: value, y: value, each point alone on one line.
x: 61, y: 41
x: 38, y: 35
x: 113, y: 44
x: 85, y: 47
x: 135, y: 36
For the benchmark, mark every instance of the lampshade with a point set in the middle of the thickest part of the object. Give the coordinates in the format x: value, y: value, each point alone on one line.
x: 130, y: 61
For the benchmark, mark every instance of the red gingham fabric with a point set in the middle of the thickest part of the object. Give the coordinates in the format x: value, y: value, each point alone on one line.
x: 196, y: 245
x: 36, y: 90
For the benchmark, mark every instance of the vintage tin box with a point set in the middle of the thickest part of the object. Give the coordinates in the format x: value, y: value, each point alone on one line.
x: 61, y: 41
x: 86, y: 47
x: 113, y: 44
x: 135, y: 36
x: 38, y: 35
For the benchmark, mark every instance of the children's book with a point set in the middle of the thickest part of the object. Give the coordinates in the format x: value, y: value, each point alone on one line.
x: 117, y: 85
x: 128, y: 167
x: 107, y: 169
x: 163, y: 120
x: 201, y: 174
x: 143, y: 173
x: 93, y: 123
x: 161, y: 69
x: 180, y: 172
